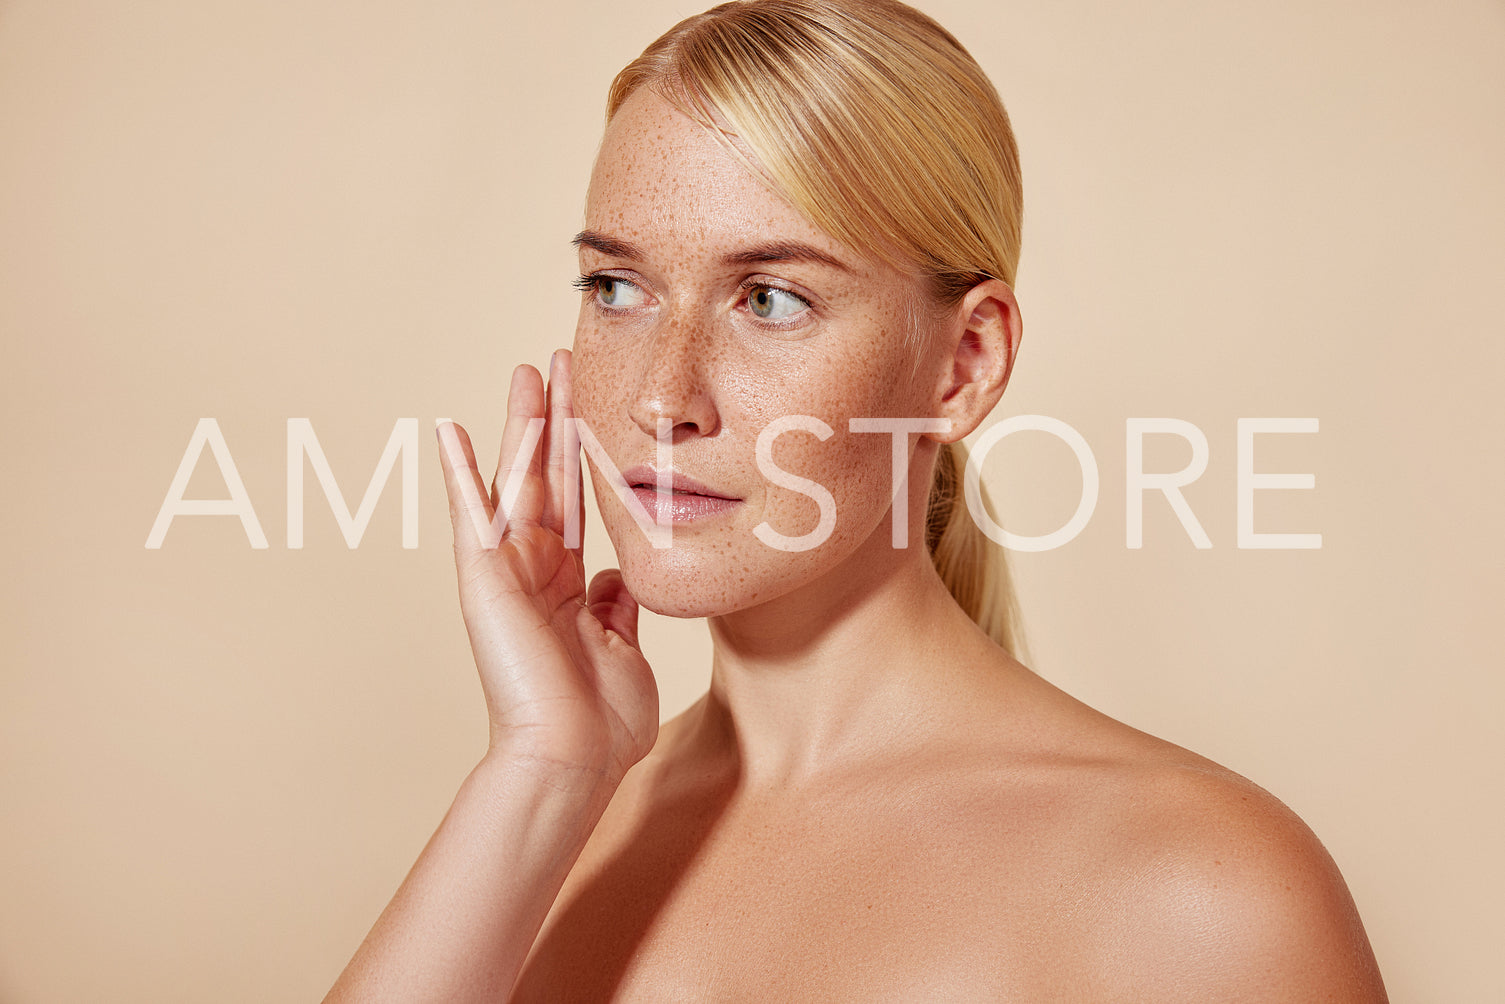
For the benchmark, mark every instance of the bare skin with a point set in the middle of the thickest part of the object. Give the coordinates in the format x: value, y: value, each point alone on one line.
x: 873, y: 801
x: 1070, y: 859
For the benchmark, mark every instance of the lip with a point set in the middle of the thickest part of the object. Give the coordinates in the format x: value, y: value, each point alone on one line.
x: 686, y: 501
x: 680, y: 484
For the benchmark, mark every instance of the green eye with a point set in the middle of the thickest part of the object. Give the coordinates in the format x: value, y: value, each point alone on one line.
x: 611, y: 291
x: 773, y: 304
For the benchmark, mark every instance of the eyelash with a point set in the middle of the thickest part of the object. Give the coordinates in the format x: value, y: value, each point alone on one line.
x: 591, y: 281
x: 586, y: 283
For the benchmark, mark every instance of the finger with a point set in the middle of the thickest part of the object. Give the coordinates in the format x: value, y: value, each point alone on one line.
x: 577, y: 473
x: 470, y: 512
x: 517, y: 487
x: 561, y: 448
x: 613, y: 605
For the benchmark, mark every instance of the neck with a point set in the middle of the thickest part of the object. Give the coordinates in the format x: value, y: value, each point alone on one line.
x: 849, y: 667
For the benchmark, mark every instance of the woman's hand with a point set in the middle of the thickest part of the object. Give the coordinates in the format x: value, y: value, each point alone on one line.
x: 573, y: 705
x: 565, y: 681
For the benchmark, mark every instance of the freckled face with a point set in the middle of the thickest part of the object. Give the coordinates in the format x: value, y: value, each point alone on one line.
x: 684, y: 318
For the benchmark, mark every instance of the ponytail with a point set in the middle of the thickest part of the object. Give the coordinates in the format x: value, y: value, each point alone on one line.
x: 973, y: 567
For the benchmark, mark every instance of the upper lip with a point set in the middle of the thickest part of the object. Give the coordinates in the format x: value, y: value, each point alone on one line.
x: 647, y: 476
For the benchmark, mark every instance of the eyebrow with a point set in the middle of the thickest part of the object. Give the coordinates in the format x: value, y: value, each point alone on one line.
x: 756, y: 254
x: 771, y: 251
x: 607, y: 245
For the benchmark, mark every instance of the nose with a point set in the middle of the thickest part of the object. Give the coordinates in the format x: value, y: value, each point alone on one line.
x: 672, y: 383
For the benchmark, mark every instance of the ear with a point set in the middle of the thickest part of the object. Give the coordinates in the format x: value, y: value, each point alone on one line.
x: 982, y: 335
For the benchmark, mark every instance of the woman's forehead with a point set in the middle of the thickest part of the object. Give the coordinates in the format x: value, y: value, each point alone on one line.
x: 662, y: 178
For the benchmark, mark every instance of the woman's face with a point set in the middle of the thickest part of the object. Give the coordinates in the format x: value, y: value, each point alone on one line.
x: 713, y: 304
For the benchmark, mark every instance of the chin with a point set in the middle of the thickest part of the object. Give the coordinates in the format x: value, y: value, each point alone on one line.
x: 690, y: 580
x: 713, y: 571
x: 678, y: 582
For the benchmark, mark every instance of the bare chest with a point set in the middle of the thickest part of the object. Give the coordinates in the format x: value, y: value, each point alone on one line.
x: 834, y: 902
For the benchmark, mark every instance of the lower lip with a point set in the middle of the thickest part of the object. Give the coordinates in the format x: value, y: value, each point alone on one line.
x: 681, y: 507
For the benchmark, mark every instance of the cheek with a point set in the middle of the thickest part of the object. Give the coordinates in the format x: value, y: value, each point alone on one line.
x: 592, y: 381
x: 855, y: 468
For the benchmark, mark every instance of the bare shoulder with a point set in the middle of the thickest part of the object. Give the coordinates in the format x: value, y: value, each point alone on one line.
x: 1213, y: 889
x: 1235, y: 895
x: 1178, y: 878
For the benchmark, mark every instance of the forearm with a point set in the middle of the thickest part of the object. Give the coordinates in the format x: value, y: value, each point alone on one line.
x: 463, y: 921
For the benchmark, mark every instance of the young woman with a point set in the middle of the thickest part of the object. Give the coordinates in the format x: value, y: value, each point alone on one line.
x: 801, y: 237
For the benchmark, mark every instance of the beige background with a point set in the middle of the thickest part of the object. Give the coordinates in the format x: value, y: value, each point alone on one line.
x: 217, y: 763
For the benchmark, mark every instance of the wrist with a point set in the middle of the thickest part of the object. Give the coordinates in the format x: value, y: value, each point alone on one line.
x: 530, y: 802
x: 510, y: 764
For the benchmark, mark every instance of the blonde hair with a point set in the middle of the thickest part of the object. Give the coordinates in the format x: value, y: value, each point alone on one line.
x: 873, y: 121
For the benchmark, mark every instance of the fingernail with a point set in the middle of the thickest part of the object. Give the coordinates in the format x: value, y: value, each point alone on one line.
x: 553, y: 359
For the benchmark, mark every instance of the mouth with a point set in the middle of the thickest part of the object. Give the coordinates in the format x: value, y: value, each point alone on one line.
x: 685, y: 499
x: 645, y: 477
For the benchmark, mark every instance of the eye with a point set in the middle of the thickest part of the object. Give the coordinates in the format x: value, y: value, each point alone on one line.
x: 769, y: 303
x: 616, y: 292
x: 612, y: 291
